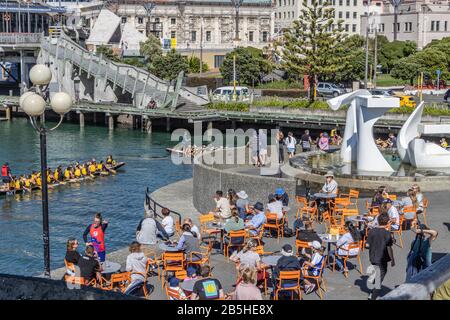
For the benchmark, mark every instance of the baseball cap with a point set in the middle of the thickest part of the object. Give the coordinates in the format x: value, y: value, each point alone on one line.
x: 279, y: 191
x: 316, y: 244
x: 174, y: 282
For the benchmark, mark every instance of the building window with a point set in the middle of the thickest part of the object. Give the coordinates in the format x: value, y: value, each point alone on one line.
x: 355, y: 15
x: 347, y: 15
x: 173, y: 34
x: 355, y: 3
x: 218, y: 61
x: 353, y: 27
x: 173, y: 21
x: 408, y: 26
x: 340, y: 14
x: 124, y: 19
x: 445, y: 25
x: 208, y: 36
x: 265, y: 36
x: 398, y: 27
x: 347, y: 3
x: 250, y: 36
x: 193, y: 36
x: 341, y: 2
x: 381, y: 27
x: 347, y: 28
x: 140, y: 20
x: 435, y: 25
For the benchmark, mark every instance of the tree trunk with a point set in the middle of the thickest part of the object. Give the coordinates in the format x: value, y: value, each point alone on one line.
x: 311, y: 80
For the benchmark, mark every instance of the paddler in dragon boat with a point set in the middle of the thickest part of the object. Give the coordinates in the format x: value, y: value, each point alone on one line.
x: 28, y: 184
x: 102, y: 169
x: 57, y: 175
x: 110, y: 162
x: 92, y: 167
x: 77, y: 172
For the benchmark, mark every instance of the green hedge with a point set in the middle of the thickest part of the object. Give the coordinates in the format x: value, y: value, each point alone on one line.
x: 230, y: 106
x: 295, y: 104
x: 281, y: 84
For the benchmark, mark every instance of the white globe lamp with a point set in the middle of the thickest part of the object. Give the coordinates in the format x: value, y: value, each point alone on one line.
x: 61, y: 103
x: 33, y: 105
x: 40, y: 75
x: 23, y: 97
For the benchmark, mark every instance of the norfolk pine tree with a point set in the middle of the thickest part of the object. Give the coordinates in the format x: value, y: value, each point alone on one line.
x: 313, y: 44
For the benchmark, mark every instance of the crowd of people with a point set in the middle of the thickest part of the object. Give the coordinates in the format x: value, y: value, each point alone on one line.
x: 59, y: 175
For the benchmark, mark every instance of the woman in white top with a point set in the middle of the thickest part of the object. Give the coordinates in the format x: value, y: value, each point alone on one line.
x: 167, y: 222
x: 290, y: 142
x: 342, y: 245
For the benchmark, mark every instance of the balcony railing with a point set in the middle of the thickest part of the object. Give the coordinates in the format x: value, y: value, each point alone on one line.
x: 20, y: 38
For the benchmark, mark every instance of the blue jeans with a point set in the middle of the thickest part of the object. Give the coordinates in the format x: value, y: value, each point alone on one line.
x: 339, y: 262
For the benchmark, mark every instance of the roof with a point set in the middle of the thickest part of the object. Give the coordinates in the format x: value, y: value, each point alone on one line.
x: 104, y: 28
x: 226, y: 2
x: 132, y: 37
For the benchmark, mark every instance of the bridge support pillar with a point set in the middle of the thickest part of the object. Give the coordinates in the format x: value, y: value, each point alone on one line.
x: 148, y: 126
x: 94, y: 118
x: 209, y: 131
x: 168, y: 124
x: 8, y: 113
x: 81, y: 120
x: 233, y: 124
x: 111, y: 122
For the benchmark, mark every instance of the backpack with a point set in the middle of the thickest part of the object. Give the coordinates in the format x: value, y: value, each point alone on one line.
x: 288, y: 232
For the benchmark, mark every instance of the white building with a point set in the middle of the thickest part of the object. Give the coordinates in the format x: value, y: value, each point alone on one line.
x: 350, y: 11
x: 420, y: 21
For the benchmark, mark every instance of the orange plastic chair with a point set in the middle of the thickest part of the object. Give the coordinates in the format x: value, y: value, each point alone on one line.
x: 393, y: 197
x: 118, y: 282
x: 173, y: 294
x: 409, y: 209
x: 200, y: 258
x: 319, y: 280
x: 80, y: 281
x: 208, y: 233
x: 272, y: 222
x: 178, y: 227
x: 399, y: 232
x: 70, y: 268
x: 351, y: 246
x: 299, y: 245
x: 352, y: 198
x: 301, y: 203
x: 348, y: 213
x: 172, y: 262
x: 233, y: 235
x: 295, y: 287
x: 338, y: 205
x: 305, y: 208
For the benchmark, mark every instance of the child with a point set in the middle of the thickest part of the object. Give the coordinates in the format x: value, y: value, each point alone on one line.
x: 167, y: 222
x: 313, y: 268
x: 175, y: 288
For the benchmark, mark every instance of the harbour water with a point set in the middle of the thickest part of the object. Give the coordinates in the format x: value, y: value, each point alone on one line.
x: 119, y: 198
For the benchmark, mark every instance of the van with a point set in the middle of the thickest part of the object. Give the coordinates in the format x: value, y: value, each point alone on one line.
x: 226, y: 94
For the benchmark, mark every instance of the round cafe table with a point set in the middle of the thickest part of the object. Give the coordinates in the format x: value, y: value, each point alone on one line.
x: 324, y: 237
x: 221, y: 227
x: 323, y: 195
x: 170, y: 248
x: 110, y: 267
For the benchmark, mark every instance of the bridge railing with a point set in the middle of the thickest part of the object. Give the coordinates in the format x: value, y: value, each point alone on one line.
x: 20, y: 38
x: 156, y: 208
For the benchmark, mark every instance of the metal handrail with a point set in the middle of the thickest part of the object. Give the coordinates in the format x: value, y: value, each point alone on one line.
x: 153, y: 205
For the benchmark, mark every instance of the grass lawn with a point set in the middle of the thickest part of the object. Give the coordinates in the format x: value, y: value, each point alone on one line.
x: 386, y: 80
x: 281, y: 84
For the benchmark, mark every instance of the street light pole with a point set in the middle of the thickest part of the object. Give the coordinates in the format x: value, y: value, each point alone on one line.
x: 366, y: 67
x: 33, y: 104
x: 237, y: 4
x: 395, y: 3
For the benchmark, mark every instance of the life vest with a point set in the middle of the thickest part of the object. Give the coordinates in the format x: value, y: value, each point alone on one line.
x: 39, y: 181
x: 97, y: 238
x: 92, y: 168
x: 67, y: 174
x: 109, y: 161
x: 17, y: 185
x: 56, y: 175
x: 5, y: 171
x: 27, y: 183
x: 49, y: 179
x: 100, y: 167
x: 84, y: 171
x: 77, y: 172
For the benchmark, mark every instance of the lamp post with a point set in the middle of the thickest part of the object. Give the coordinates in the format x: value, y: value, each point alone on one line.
x: 396, y: 4
x: 237, y: 4
x: 33, y: 104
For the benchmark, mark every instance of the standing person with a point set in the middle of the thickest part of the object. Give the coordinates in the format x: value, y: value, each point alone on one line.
x: 96, y: 232
x: 380, y: 243
x: 6, y: 175
x: 290, y: 142
x: 223, y: 209
x: 306, y: 141
x: 207, y: 288
x: 419, y: 198
x: 262, y: 145
x: 253, y: 144
x: 392, y: 141
x: 419, y: 256
x: 72, y: 255
x: 280, y: 141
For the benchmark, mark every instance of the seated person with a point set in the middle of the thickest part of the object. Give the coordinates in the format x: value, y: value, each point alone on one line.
x: 275, y: 206
x: 223, y: 209
x: 313, y: 268
x: 188, y: 242
x: 392, y: 211
x: 174, y: 286
x: 379, y: 197
x: 330, y: 186
x: 257, y: 221
x: 194, y: 229
x: 351, y: 235
x: 247, y: 289
x: 207, y: 288
x: 149, y: 229
x: 235, y: 223
x: 136, y: 263
x: 308, y: 235
x: 243, y: 204
x: 89, y: 266
x: 167, y: 222
x: 282, y: 196
x: 249, y: 257
x: 191, y: 274
x: 288, y: 261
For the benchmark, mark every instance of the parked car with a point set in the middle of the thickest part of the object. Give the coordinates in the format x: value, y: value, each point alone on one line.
x: 329, y: 89
x: 226, y: 94
x: 382, y: 92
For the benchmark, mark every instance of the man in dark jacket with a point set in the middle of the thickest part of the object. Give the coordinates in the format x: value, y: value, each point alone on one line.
x: 288, y: 261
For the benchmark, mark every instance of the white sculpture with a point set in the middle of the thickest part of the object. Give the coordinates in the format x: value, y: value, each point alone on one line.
x: 421, y: 154
x: 358, y: 143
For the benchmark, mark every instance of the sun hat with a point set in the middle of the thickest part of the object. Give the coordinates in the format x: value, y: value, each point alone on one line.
x: 316, y: 245
x: 329, y: 174
x: 259, y: 206
x: 242, y: 194
x: 279, y: 191
x: 174, y: 282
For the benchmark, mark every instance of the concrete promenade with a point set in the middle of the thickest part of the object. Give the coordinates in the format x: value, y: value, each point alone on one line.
x: 178, y: 197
